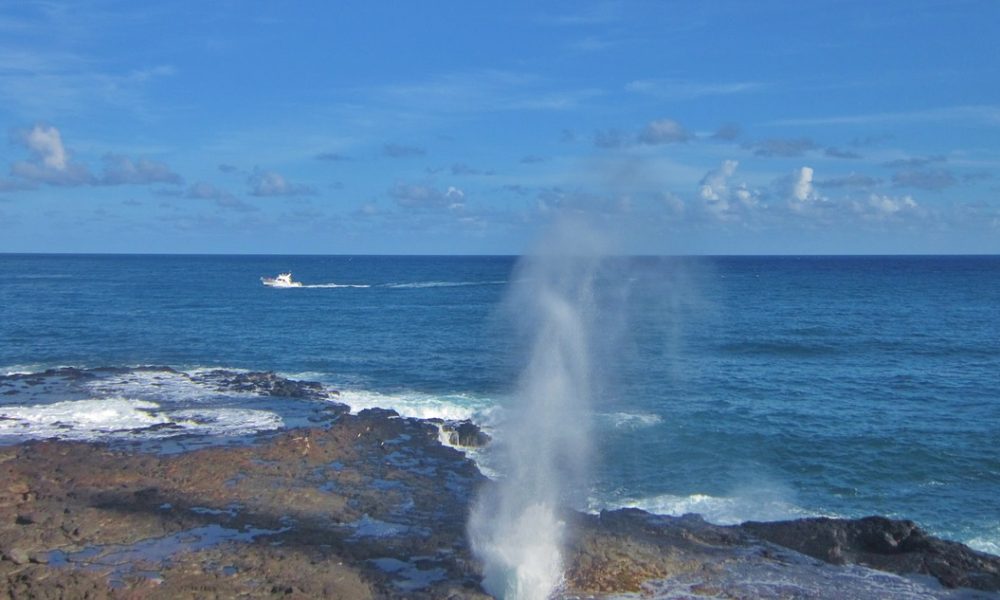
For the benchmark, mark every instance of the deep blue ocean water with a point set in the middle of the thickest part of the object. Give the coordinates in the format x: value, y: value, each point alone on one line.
x: 738, y: 387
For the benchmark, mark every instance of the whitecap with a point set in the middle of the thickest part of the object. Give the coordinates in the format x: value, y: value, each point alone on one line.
x: 420, y: 405
x: 988, y: 541
x: 160, y: 386
x: 119, y: 417
x: 630, y: 421
x: 80, y: 419
x: 720, y: 510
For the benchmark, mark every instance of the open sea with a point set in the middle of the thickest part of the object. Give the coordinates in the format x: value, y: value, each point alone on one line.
x: 740, y: 388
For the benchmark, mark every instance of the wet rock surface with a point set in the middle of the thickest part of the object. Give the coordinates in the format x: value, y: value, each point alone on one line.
x: 374, y: 506
x: 263, y: 383
x: 885, y: 544
x: 464, y: 433
x: 371, y: 506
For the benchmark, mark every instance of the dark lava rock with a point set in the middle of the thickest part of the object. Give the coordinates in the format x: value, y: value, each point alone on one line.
x: 264, y: 383
x: 378, y: 413
x: 465, y: 433
x: 884, y: 544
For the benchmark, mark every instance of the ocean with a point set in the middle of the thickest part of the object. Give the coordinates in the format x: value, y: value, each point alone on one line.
x: 741, y: 388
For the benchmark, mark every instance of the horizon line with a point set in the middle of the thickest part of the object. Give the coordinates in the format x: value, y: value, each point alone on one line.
x: 428, y: 255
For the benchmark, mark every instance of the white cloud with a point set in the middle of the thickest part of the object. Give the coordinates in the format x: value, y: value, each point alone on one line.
x: 426, y: 197
x: 714, y: 186
x: 46, y: 143
x: 882, y: 207
x: 268, y: 183
x: 723, y: 200
x: 802, y: 188
x: 801, y: 193
x: 49, y: 161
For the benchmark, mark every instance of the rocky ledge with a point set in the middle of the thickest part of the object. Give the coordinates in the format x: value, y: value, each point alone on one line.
x: 374, y: 506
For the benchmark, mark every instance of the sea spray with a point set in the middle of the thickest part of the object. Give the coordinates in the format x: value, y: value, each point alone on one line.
x: 516, y: 528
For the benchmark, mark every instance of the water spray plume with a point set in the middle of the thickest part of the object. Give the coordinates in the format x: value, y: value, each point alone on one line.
x: 516, y: 526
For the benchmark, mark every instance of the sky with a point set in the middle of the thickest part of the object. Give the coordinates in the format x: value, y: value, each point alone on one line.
x: 465, y: 127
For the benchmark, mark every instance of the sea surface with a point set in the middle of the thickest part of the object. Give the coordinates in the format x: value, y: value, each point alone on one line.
x: 742, y: 388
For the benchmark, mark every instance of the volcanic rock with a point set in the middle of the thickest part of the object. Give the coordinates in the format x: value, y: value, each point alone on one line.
x: 885, y: 544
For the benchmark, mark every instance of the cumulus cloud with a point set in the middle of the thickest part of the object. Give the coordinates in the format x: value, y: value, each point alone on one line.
x: 880, y: 207
x: 121, y: 170
x: 49, y: 162
x: 720, y: 198
x: 788, y: 148
x: 926, y: 179
x: 714, y: 185
x: 663, y: 131
x: 802, y: 189
x: 402, y: 151
x: 426, y: 197
x: 801, y: 194
x: 268, y: 183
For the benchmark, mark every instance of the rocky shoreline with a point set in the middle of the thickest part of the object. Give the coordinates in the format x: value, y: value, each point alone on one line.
x: 373, y: 505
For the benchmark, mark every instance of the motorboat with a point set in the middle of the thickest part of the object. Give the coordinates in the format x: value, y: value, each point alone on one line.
x: 282, y: 280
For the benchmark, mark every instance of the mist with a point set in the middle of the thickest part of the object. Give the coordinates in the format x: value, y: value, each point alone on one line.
x: 562, y: 301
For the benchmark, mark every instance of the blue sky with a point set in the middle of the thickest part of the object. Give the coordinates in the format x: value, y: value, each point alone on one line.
x: 834, y: 127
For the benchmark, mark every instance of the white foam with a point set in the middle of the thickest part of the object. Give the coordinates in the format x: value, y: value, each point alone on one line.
x: 988, y: 542
x: 117, y: 417
x: 720, y: 510
x: 334, y: 285
x: 31, y: 369
x: 450, y: 407
x: 79, y: 419
x: 157, y: 385
x: 630, y: 421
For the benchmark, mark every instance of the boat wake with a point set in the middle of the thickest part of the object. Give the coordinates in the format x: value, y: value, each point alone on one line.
x: 335, y: 285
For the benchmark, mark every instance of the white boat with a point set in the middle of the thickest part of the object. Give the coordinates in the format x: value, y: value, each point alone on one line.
x: 282, y: 280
